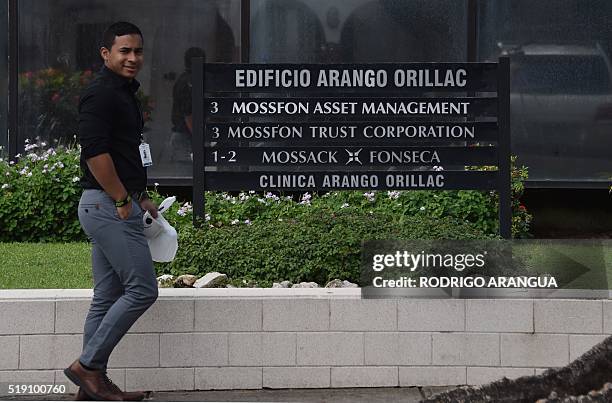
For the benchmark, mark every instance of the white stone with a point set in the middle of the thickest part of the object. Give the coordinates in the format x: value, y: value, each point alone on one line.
x: 336, y: 283
x: 211, y: 279
x: 186, y: 280
x: 304, y: 284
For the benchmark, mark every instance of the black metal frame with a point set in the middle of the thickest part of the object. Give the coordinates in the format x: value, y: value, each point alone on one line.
x: 503, y: 170
x: 220, y: 74
x: 13, y: 87
x: 197, y: 139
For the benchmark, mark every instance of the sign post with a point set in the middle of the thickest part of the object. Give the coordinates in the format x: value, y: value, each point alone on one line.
x: 351, y: 126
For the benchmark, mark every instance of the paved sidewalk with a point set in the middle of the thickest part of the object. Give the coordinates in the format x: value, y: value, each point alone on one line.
x: 357, y: 395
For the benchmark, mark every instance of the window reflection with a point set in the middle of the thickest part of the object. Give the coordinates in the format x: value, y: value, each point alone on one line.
x: 358, y: 31
x: 561, y: 83
x: 59, y: 54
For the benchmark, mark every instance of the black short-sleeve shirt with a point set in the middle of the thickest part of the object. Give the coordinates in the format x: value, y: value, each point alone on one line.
x: 110, y: 121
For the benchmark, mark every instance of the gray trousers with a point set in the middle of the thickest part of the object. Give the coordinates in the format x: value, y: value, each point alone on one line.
x: 125, y: 285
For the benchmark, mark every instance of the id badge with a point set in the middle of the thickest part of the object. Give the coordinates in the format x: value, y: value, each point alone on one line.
x: 145, y: 154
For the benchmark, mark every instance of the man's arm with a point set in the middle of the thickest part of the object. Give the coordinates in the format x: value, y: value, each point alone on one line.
x: 103, y: 169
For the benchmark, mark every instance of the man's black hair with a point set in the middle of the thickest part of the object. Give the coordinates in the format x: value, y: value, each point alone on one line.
x: 191, y: 53
x: 119, y: 29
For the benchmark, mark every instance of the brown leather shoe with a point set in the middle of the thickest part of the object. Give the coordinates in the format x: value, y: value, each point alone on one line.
x: 81, y: 395
x: 94, y: 383
x: 127, y: 396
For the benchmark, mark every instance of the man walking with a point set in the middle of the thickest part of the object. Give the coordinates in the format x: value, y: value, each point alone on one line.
x: 114, y: 158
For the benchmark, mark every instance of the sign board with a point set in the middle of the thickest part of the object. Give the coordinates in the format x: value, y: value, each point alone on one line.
x: 309, y: 127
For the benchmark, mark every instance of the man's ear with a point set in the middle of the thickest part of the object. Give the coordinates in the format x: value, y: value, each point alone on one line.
x: 104, y: 53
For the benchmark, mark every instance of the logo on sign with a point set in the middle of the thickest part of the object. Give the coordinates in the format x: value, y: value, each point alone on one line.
x: 353, y: 156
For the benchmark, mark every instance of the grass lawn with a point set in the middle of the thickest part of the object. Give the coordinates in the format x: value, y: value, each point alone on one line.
x: 54, y: 265
x: 45, y: 265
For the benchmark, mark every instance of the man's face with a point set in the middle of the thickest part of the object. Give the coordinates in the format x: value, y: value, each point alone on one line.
x: 125, y: 57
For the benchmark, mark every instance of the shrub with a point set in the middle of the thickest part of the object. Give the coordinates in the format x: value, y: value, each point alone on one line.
x: 477, y: 207
x: 319, y: 245
x: 39, y: 193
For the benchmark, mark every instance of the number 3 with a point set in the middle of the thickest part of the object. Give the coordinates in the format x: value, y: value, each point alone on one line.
x: 214, y: 107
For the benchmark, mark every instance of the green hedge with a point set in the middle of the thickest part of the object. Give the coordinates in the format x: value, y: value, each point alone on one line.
x: 318, y: 246
x: 39, y: 193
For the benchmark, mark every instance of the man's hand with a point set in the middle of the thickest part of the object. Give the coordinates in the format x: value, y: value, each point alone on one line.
x: 125, y: 211
x: 147, y: 204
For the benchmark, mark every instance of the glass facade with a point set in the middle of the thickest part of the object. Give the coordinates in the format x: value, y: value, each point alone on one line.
x: 561, y: 100
x: 561, y: 83
x: 59, y: 42
x: 357, y: 31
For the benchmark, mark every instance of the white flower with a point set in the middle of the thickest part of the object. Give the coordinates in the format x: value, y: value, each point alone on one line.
x: 43, y: 144
x: 251, y: 192
x: 422, y: 208
x: 18, y: 156
x: 306, y: 198
x: 247, y: 222
x: 345, y: 205
x: 393, y: 194
x: 60, y: 164
x: 12, y: 163
x: 234, y: 222
x: 371, y: 196
x: 27, y: 141
x: 6, y: 185
x: 29, y: 174
x: 181, y: 212
x: 274, y: 197
x: 207, y: 217
x: 156, y: 184
x: 23, y: 171
x: 76, y: 179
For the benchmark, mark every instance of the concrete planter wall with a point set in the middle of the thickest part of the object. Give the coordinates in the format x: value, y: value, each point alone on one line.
x: 301, y: 338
